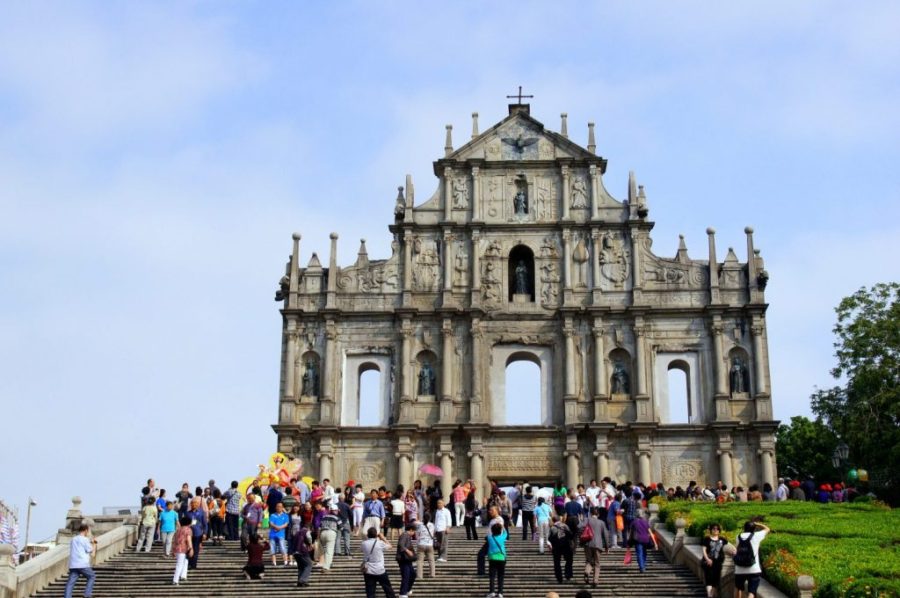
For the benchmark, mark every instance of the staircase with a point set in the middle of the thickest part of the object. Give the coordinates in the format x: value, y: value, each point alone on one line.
x: 528, y: 575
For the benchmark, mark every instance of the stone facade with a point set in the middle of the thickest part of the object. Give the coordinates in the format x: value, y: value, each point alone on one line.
x: 522, y: 253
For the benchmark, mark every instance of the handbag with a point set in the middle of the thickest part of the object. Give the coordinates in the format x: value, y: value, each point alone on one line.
x: 365, y: 562
x: 620, y: 523
x: 627, y: 560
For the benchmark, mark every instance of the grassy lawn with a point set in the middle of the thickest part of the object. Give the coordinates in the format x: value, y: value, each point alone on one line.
x: 851, y: 549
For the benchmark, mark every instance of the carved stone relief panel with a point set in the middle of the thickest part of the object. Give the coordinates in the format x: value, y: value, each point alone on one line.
x: 426, y: 264
x: 494, y: 203
x: 546, y: 199
x: 677, y: 471
x: 460, y: 192
x: 369, y: 473
x: 615, y: 261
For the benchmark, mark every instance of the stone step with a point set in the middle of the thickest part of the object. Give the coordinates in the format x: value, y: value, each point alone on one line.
x: 528, y: 575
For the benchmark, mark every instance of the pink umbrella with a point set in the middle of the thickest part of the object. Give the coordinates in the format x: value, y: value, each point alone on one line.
x: 432, y: 470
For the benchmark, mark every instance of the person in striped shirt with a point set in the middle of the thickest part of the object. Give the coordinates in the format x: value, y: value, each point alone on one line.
x: 529, y: 503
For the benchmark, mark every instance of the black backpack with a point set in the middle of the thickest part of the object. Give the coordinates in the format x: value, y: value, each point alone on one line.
x: 744, y: 556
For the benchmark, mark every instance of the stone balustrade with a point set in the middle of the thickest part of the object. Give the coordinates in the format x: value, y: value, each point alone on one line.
x: 682, y: 549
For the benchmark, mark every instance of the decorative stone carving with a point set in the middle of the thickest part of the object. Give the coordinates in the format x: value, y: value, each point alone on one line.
x: 494, y: 198
x: 493, y: 249
x: 545, y: 203
x: 490, y: 283
x: 676, y: 471
x: 579, y: 194
x: 460, y: 193
x: 369, y: 473
x: 549, y: 284
x: 426, y: 273
x: 614, y: 257
x: 580, y: 256
x: 461, y: 266
x: 523, y: 465
x: 519, y: 143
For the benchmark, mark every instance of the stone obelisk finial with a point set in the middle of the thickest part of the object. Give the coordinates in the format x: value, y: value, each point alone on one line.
x: 564, y: 125
x: 474, y: 125
x: 448, y: 144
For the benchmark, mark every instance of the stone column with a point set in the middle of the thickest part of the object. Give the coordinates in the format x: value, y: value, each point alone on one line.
x: 595, y: 263
x: 404, y: 469
x: 635, y: 266
x: 644, y: 466
x: 569, y: 333
x: 325, y: 456
x: 447, y: 480
x: 572, y: 474
x: 713, y: 268
x: 476, y: 409
x: 476, y: 468
x: 640, y: 332
x: 407, y: 267
x: 757, y: 330
x: 567, y: 259
x: 405, y: 377
x: 565, y: 192
x: 719, y: 366
x: 600, y: 382
x: 326, y: 384
x: 767, y: 466
x: 447, y: 370
x: 448, y: 189
x: 642, y: 399
x: 476, y: 194
x: 595, y: 191
x: 294, y: 274
x: 447, y: 256
x: 290, y: 359
x: 602, y: 458
x: 332, y: 274
x: 476, y: 267
x: 725, y: 468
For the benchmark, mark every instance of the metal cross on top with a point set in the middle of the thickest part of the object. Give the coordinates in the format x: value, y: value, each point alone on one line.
x: 519, y: 95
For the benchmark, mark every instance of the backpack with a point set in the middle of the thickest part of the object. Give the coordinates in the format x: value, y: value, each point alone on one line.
x: 587, y: 534
x: 744, y: 556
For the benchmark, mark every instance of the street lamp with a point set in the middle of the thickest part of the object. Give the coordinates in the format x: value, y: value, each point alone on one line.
x: 31, y: 503
x: 843, y: 450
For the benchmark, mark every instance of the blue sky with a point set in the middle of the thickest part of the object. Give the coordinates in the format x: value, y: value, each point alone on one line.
x: 155, y: 158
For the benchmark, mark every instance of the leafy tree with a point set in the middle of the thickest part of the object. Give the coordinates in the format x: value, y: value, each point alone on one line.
x: 865, y: 411
x: 805, y: 448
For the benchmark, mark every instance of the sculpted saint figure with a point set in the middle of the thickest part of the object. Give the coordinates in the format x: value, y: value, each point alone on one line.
x: 738, y: 376
x: 522, y: 279
x: 620, y: 380
x: 521, y: 203
x: 426, y: 379
x: 310, y: 380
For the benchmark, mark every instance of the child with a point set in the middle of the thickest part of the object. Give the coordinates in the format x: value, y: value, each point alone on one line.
x: 255, y: 568
x: 183, y: 548
x: 168, y: 522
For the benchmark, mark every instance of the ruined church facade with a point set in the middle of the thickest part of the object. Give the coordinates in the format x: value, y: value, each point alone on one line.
x: 522, y: 254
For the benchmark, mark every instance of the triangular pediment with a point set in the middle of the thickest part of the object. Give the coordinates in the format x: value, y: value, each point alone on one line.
x: 521, y: 137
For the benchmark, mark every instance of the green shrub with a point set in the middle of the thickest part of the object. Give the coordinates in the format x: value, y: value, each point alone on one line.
x: 848, y: 548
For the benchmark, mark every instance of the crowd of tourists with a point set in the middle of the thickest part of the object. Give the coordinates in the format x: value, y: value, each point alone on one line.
x: 308, y: 526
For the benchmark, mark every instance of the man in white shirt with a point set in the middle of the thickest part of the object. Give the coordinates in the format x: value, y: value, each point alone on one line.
x: 80, y: 551
x: 442, y: 524
x: 592, y: 492
x: 782, y: 492
x: 328, y: 494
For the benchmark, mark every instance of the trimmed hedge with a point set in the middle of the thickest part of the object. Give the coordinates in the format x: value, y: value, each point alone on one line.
x: 850, y: 549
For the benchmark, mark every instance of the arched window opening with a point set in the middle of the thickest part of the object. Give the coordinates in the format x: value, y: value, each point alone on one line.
x: 521, y: 273
x: 370, y: 408
x: 679, y: 394
x: 523, y: 391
